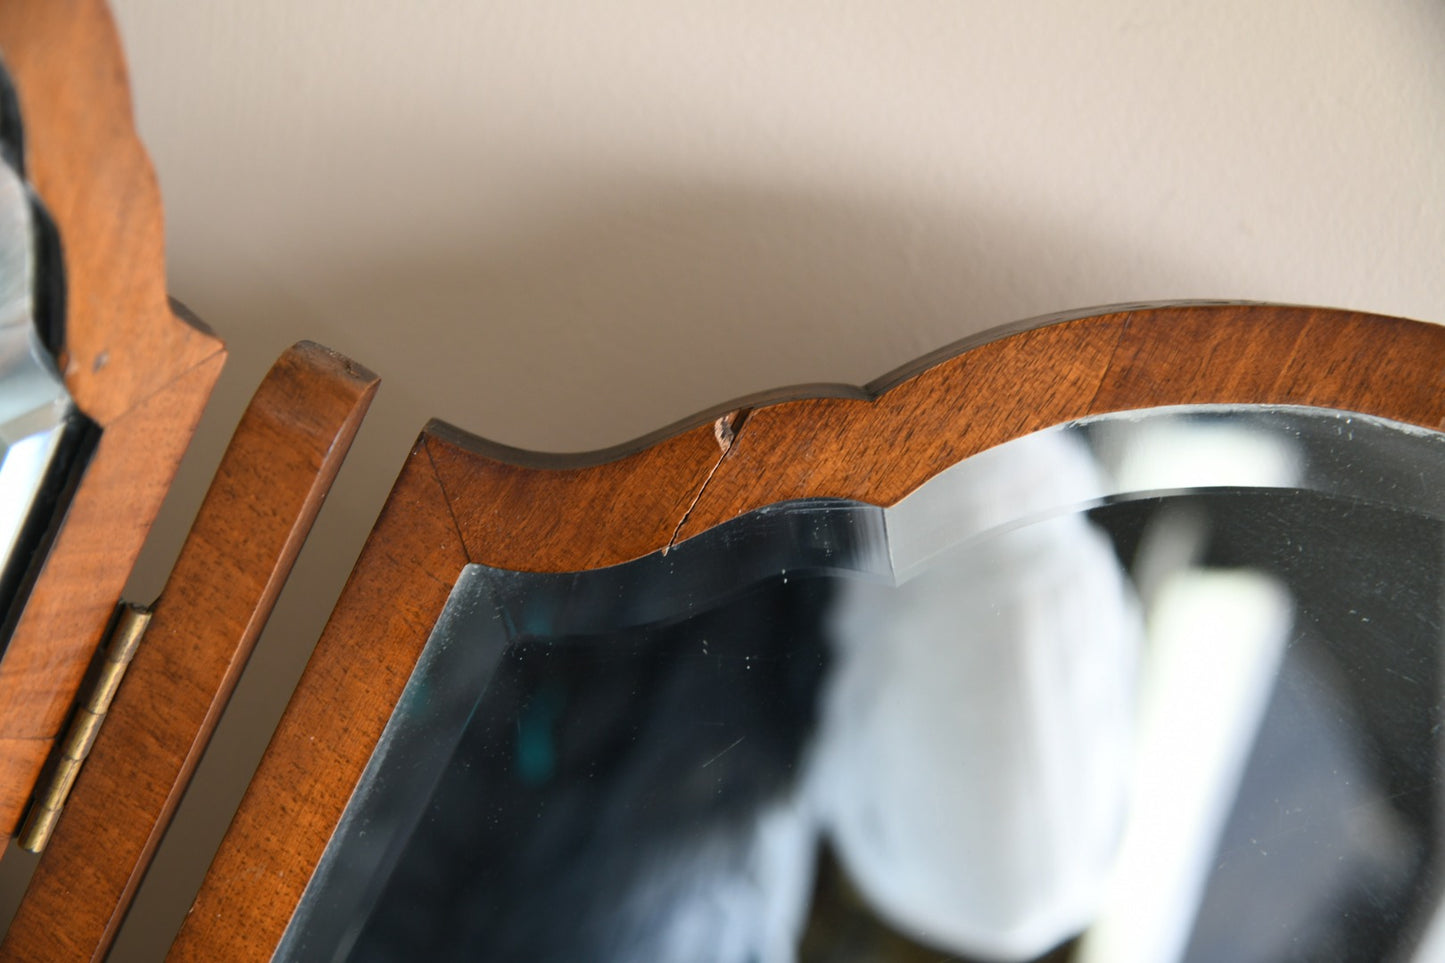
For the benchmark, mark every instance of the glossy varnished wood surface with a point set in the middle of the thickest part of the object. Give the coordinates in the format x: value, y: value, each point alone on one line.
x: 132, y: 364
x: 878, y: 447
x: 258, y: 511
x: 460, y: 499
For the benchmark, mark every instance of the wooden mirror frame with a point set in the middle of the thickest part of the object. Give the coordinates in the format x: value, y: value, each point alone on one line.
x: 460, y: 499
x: 139, y: 368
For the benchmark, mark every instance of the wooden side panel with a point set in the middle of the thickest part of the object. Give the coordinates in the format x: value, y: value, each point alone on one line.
x: 364, y: 658
x: 132, y: 365
x: 259, y: 508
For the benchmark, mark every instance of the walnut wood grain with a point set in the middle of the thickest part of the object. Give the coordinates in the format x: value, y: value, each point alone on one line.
x: 133, y: 365
x: 266, y: 493
x: 462, y: 499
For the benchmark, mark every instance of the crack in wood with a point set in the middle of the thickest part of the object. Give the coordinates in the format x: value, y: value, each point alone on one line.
x: 725, y: 431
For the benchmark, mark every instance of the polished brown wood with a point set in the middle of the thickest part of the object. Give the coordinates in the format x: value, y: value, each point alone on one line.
x: 877, y: 444
x: 136, y: 367
x: 266, y: 493
x: 461, y: 499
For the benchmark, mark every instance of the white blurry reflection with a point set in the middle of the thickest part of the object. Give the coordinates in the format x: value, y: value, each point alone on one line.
x: 972, y: 764
x: 33, y: 400
x: 1216, y: 641
x: 990, y: 732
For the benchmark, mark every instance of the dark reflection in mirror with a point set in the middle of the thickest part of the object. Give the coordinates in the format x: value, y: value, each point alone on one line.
x: 1060, y: 700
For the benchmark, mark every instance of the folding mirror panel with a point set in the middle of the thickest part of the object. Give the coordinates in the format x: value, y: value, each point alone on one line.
x: 1116, y: 638
x: 102, y: 381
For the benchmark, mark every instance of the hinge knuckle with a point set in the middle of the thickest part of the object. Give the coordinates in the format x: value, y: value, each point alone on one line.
x: 45, y: 811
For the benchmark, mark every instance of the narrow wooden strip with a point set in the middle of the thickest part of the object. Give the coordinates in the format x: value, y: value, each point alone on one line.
x: 259, y: 508
x: 393, y: 598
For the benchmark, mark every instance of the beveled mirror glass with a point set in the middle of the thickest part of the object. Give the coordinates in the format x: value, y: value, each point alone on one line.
x: 1157, y: 685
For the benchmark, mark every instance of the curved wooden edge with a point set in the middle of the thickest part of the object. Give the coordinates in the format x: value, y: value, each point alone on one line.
x: 140, y: 370
x: 566, y: 516
x: 1196, y: 354
x: 528, y: 458
x: 260, y: 507
x: 454, y: 503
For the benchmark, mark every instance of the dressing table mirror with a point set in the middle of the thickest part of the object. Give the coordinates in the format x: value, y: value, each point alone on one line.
x: 102, y: 382
x: 1073, y: 640
x: 1114, y: 636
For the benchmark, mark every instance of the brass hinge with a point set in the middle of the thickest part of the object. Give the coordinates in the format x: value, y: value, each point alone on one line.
x: 130, y: 625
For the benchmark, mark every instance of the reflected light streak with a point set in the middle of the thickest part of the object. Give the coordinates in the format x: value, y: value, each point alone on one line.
x: 1217, y: 639
x: 21, y: 471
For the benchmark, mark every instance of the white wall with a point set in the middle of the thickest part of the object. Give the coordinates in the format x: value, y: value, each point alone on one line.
x: 561, y: 225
